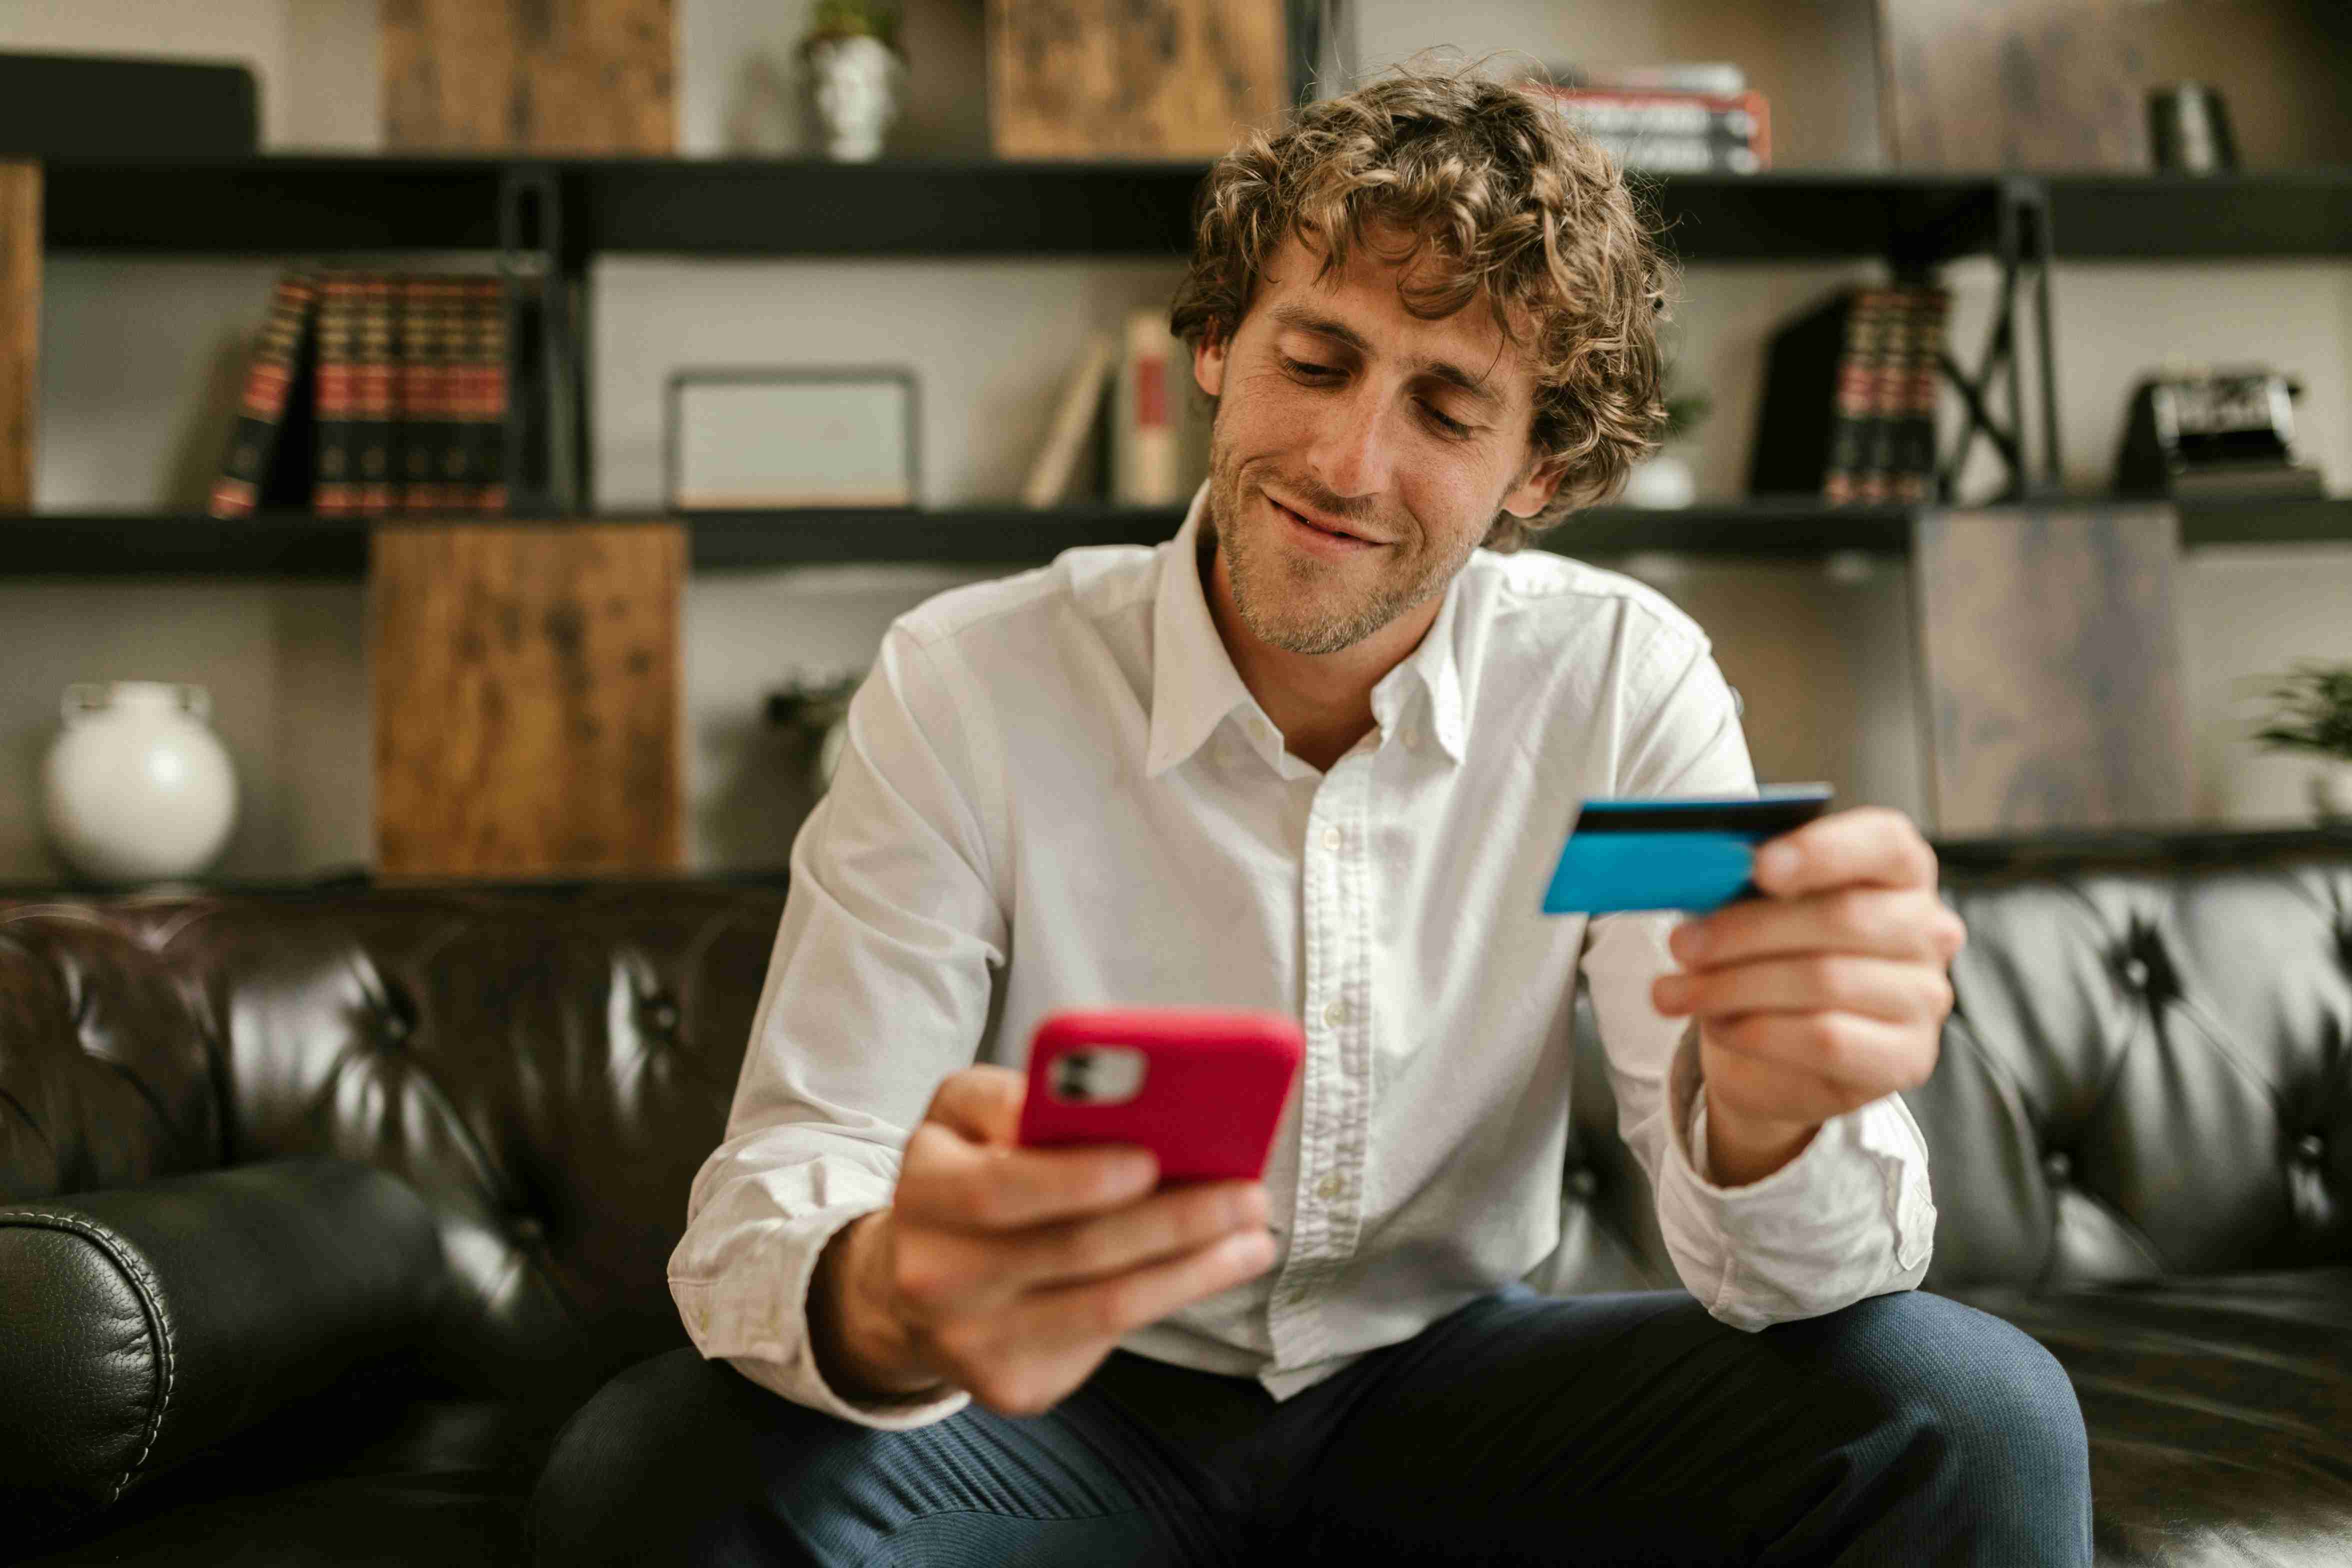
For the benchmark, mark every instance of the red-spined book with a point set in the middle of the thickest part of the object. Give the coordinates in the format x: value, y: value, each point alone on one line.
x: 483, y: 390
x: 406, y: 449
x: 374, y: 426
x: 1915, y: 431
x: 334, y: 489
x: 273, y: 409
x: 453, y: 483
x: 422, y: 380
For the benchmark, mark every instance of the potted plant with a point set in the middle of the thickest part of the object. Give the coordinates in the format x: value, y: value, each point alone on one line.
x: 855, y: 71
x: 1665, y: 479
x: 2314, y: 714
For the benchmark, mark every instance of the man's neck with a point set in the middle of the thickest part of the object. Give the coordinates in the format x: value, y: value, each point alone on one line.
x: 1322, y: 703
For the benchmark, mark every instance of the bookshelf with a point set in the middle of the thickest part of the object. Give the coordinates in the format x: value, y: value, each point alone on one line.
x: 548, y: 219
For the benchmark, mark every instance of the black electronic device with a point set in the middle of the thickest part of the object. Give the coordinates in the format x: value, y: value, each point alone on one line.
x: 2214, y: 432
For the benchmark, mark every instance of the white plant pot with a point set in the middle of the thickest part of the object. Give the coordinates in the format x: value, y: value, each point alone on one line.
x: 1665, y: 480
x: 2331, y: 790
x: 137, y: 788
x: 853, y: 87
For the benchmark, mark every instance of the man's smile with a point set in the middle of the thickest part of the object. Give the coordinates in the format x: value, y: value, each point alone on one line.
x: 1328, y: 538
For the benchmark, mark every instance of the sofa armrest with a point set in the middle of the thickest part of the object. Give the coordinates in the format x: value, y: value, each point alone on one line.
x: 145, y: 1324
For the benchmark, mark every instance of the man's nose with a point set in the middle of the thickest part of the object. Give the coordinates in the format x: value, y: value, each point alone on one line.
x: 1354, y: 445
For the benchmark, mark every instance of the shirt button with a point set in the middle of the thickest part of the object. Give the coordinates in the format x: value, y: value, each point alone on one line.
x: 1330, y: 1187
x: 1335, y: 1013
x: 1333, y: 838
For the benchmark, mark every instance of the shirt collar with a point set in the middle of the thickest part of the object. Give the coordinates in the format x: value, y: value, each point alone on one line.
x: 1194, y: 684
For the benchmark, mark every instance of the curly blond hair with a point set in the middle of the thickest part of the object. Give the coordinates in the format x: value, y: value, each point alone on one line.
x: 1517, y: 204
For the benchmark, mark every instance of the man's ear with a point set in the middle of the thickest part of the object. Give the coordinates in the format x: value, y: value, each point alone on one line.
x: 1208, y: 363
x: 1535, y: 487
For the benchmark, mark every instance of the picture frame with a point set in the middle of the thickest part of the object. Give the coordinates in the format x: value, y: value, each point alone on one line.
x: 769, y: 437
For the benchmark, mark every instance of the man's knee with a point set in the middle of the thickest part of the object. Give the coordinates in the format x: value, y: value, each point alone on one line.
x: 661, y: 1461
x: 1982, y: 1393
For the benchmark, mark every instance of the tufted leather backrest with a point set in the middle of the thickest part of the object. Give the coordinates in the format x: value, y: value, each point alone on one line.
x: 2146, y: 1072
x: 547, y: 1066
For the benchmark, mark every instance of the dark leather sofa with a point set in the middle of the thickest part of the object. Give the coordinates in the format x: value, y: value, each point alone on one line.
x: 320, y: 1212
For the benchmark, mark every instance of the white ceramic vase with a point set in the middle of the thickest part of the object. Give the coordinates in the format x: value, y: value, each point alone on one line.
x: 137, y: 788
x: 855, y: 82
x: 1665, y: 480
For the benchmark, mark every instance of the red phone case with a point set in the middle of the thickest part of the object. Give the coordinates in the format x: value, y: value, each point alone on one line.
x: 1214, y: 1085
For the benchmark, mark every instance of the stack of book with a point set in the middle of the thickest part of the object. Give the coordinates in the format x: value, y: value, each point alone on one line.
x: 1850, y: 397
x: 1679, y: 120
x: 373, y: 393
x: 1127, y: 391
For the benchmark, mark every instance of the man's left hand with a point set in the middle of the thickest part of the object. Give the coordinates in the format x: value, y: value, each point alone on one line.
x: 1827, y: 993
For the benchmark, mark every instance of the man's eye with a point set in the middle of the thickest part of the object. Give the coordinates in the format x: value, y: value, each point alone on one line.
x: 1303, y: 368
x: 1447, y: 426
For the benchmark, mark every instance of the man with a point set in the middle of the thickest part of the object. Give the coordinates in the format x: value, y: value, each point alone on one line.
x: 1313, y: 755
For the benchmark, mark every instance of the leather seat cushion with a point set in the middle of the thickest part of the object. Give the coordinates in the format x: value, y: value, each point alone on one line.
x: 2219, y: 1412
x: 359, y: 1476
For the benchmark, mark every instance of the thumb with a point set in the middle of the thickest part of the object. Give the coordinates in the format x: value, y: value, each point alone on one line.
x: 981, y: 1102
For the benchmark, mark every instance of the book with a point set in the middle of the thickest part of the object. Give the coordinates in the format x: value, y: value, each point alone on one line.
x: 373, y: 420
x: 437, y: 459
x: 1675, y: 154
x: 1048, y: 482
x: 273, y: 408
x: 334, y: 489
x: 1147, y: 467
x: 1855, y: 406
x: 1637, y: 125
x: 1884, y: 372
x: 482, y: 396
x: 1671, y: 76
x: 1923, y: 382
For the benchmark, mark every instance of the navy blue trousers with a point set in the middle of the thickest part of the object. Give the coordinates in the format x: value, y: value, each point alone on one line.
x: 1905, y: 1429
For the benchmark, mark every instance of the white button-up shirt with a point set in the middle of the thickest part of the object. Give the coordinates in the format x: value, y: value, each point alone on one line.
x: 1056, y: 792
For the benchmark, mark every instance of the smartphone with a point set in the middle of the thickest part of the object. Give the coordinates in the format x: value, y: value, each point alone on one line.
x: 1202, y: 1088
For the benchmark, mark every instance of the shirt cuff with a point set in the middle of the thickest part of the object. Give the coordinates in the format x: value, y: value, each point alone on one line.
x: 1848, y: 1216
x: 762, y: 1331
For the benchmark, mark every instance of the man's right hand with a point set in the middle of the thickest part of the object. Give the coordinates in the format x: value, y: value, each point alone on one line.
x: 1013, y: 1272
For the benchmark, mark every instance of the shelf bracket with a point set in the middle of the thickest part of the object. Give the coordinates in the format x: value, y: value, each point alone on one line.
x: 546, y: 465
x: 2024, y: 248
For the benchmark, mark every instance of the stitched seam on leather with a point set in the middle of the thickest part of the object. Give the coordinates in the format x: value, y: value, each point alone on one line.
x: 150, y: 1299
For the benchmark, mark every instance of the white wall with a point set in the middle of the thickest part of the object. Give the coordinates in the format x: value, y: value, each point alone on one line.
x: 139, y: 359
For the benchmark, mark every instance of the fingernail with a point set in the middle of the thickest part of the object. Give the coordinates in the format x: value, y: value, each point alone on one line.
x: 1689, y: 941
x: 1776, y: 862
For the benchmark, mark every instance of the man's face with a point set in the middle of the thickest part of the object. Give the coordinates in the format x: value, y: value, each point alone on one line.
x: 1405, y: 436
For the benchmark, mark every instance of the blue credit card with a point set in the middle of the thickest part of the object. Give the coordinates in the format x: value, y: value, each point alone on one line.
x: 1675, y: 852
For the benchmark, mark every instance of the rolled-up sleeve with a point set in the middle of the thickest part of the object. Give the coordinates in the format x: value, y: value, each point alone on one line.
x: 877, y: 988
x: 1851, y: 1215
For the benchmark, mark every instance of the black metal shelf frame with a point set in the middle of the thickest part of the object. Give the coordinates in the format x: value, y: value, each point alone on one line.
x: 547, y: 220
x: 299, y: 545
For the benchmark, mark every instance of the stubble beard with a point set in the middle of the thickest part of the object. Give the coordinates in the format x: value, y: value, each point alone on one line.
x: 1286, y: 601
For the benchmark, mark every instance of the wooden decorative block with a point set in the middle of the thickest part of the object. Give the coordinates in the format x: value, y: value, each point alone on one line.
x: 1132, y: 79
x: 20, y: 328
x: 577, y: 77
x: 527, y: 706
x: 2064, y: 84
x: 2050, y: 668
